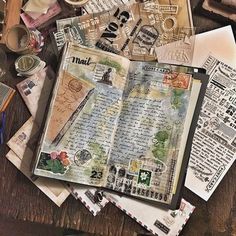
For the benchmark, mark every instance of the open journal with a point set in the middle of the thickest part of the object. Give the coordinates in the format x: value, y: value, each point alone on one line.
x: 120, y: 125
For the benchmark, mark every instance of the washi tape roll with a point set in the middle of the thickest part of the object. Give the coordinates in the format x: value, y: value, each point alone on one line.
x: 76, y: 3
x: 21, y: 40
x: 28, y: 65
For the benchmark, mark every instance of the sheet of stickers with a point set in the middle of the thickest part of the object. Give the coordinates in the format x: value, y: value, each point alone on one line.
x: 214, y: 144
x: 133, y: 31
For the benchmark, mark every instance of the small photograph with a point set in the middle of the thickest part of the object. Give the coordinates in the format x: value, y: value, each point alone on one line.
x: 28, y: 86
x: 104, y: 74
x: 27, y: 92
x: 111, y: 178
x: 121, y: 172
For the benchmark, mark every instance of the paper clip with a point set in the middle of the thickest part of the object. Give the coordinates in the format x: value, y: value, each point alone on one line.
x: 2, y: 127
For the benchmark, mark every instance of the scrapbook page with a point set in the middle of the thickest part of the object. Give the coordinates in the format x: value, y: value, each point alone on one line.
x: 133, y: 31
x: 214, y: 143
x: 105, y: 96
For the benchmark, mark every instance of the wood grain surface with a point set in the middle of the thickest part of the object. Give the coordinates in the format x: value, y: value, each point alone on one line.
x: 20, y: 199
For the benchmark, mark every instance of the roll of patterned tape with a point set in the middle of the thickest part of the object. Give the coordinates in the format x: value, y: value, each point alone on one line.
x: 21, y: 40
x: 28, y: 65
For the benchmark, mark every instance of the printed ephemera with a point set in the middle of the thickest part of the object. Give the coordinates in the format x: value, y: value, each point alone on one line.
x: 133, y: 31
x: 214, y: 146
x: 118, y: 124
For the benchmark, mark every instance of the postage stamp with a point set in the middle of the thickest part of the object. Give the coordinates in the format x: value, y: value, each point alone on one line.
x: 144, y: 177
x: 134, y: 166
x: 177, y: 80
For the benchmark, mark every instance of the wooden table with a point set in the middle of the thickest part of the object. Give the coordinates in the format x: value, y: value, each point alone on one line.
x: 21, y: 200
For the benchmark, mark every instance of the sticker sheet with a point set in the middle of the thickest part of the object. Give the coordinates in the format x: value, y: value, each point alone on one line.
x: 133, y: 31
x: 214, y: 144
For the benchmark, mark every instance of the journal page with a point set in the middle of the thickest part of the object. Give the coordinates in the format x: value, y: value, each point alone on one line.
x: 83, y: 116
x: 145, y: 152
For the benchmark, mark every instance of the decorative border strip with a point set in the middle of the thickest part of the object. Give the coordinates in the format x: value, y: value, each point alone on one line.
x: 129, y: 214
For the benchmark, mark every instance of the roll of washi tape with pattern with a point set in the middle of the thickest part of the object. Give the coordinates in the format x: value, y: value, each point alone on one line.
x: 21, y: 40
x: 28, y: 65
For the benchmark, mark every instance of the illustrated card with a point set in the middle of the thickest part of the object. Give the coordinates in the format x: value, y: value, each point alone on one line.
x: 32, y: 23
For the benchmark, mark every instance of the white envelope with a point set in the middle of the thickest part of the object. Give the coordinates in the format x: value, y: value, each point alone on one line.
x: 159, y: 221
x: 219, y: 42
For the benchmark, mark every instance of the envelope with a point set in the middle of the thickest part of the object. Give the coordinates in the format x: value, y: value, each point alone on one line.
x: 219, y: 42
